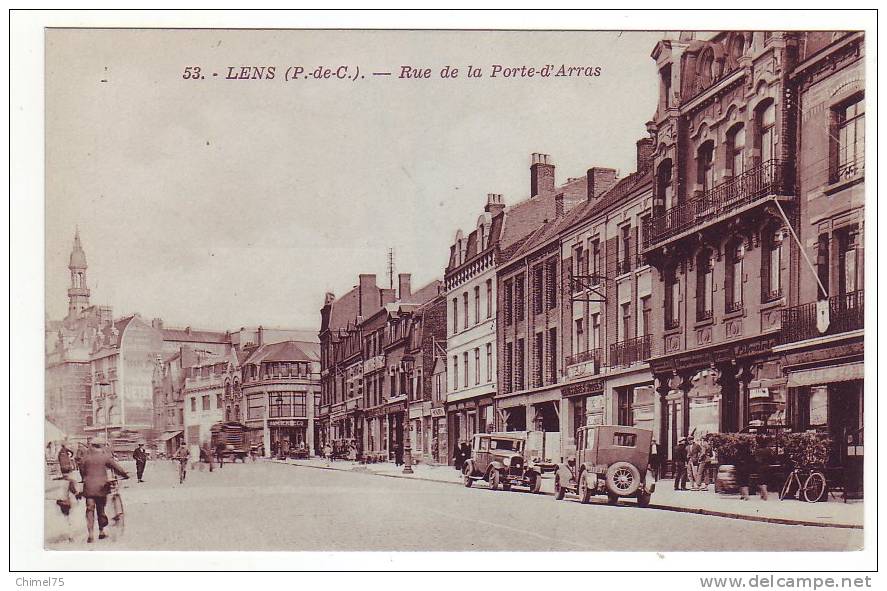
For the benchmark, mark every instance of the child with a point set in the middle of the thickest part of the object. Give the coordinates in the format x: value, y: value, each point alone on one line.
x: 66, y: 498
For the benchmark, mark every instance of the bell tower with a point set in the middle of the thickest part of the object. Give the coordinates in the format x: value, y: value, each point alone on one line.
x: 78, y: 293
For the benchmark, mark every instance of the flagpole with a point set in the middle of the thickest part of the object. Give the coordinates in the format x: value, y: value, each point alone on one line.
x: 801, y: 248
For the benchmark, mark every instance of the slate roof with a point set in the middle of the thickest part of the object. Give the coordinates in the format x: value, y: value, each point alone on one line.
x: 285, y: 351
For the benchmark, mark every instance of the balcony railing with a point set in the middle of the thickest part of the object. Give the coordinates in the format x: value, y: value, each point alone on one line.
x: 848, y: 170
x: 733, y: 306
x: 772, y: 177
x: 623, y: 266
x: 585, y: 357
x: 631, y: 351
x: 846, y: 313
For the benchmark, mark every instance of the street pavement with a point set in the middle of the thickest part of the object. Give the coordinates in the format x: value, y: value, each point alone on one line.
x: 274, y: 506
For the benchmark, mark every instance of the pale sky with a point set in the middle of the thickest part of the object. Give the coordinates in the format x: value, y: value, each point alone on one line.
x: 225, y: 203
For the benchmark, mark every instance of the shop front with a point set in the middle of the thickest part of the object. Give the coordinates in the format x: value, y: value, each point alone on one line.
x: 288, y: 436
x: 467, y: 417
x: 421, y: 433
x: 583, y: 404
x: 439, y: 442
x: 538, y: 414
x: 395, y: 419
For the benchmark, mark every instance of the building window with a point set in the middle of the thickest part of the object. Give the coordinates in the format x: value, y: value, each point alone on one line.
x: 705, y: 166
x: 595, y: 261
x: 477, y: 366
x: 595, y: 331
x: 538, y: 365
x: 519, y: 298
x: 552, y: 355
x: 520, y: 360
x: 672, y: 300
x: 489, y: 298
x: 823, y: 256
x: 455, y: 372
x: 766, y: 137
x: 580, y: 265
x: 580, y: 344
x: 850, y: 122
x: 664, y: 188
x: 299, y: 404
x: 489, y: 362
x: 848, y: 262
x: 736, y: 149
x: 465, y: 309
x: 626, y: 321
x: 771, y: 264
x: 508, y: 304
x: 646, y: 315
x: 537, y: 289
x: 623, y: 407
x: 455, y: 315
x: 193, y: 404
x: 220, y: 403
x: 551, y: 283
x: 624, y: 261
x: 704, y: 285
x: 281, y: 404
x: 256, y: 406
x: 465, y: 369
x: 733, y: 276
x: 477, y: 304
x: 509, y: 351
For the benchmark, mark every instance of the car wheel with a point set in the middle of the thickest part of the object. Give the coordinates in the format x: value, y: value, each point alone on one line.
x: 623, y: 479
x: 535, y: 484
x: 559, y: 491
x: 506, y: 486
x: 644, y: 499
x: 494, y: 479
x: 612, y: 499
x: 583, y: 490
x: 466, y: 476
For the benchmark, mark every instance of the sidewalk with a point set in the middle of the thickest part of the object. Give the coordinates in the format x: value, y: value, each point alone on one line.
x: 833, y: 513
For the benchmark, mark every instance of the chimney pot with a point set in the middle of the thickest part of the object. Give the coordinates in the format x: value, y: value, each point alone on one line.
x: 541, y: 175
x: 495, y: 203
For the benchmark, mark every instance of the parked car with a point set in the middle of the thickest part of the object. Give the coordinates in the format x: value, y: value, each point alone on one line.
x: 499, y: 458
x: 612, y: 460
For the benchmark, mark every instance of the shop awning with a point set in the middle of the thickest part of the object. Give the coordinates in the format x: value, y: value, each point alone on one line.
x: 167, y: 435
x: 826, y: 375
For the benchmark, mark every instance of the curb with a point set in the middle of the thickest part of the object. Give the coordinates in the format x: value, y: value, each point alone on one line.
x: 674, y: 508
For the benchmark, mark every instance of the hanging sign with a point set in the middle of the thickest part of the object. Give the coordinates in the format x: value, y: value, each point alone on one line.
x: 822, y: 316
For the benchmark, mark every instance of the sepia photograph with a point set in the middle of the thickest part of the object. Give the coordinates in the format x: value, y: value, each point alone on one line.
x: 349, y: 290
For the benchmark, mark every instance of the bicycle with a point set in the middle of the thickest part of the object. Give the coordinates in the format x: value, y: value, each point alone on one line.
x: 813, y: 489
x: 116, y: 503
x: 183, y: 469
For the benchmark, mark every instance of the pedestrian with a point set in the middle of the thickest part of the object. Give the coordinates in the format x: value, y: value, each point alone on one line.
x: 96, y: 486
x: 209, y: 455
x: 220, y: 454
x: 78, y: 457
x: 66, y: 459
x: 702, y: 469
x: 141, y: 458
x: 328, y: 452
x: 654, y: 459
x: 694, y: 457
x: 466, y: 452
x: 398, y: 454
x: 680, y: 465
x: 66, y: 499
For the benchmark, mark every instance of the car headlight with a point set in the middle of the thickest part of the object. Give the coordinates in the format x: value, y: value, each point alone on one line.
x: 506, y: 462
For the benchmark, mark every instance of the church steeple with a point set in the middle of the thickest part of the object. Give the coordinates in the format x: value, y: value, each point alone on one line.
x: 78, y: 293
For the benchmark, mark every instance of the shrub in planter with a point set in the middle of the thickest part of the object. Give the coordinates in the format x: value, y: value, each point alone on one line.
x: 807, y: 450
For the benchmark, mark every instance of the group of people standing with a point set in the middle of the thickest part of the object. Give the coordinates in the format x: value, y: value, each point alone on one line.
x: 695, y: 461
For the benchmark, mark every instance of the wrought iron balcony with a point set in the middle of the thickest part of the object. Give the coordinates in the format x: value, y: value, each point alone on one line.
x: 623, y: 266
x: 631, y: 351
x: 846, y: 313
x: 585, y: 357
x: 772, y: 177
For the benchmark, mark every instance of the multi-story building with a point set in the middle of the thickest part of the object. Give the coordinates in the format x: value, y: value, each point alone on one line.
x: 207, y: 381
x: 821, y: 341
x: 471, y: 291
x: 280, y: 383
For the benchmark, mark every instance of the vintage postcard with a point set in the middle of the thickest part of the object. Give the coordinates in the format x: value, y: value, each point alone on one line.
x: 377, y: 290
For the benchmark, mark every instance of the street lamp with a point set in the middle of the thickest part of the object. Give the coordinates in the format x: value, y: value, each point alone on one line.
x: 407, y: 445
x: 103, y: 397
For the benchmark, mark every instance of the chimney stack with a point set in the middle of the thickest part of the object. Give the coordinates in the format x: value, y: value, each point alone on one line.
x: 599, y: 181
x: 368, y: 295
x: 403, y: 286
x: 495, y: 204
x: 261, y: 337
x: 645, y: 154
x: 559, y: 206
x: 541, y: 175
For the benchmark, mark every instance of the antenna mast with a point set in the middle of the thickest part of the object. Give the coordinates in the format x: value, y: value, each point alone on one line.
x: 390, y: 268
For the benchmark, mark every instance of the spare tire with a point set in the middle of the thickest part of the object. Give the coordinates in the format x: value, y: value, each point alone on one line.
x: 623, y: 479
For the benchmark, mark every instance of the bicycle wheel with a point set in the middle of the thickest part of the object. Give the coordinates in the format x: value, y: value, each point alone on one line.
x: 815, y: 487
x: 118, y: 520
x: 787, y: 487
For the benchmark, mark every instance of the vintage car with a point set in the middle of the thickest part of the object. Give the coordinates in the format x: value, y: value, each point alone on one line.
x: 612, y: 460
x: 499, y: 458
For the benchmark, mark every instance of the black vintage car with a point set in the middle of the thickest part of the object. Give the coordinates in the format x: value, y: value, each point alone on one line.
x: 499, y: 458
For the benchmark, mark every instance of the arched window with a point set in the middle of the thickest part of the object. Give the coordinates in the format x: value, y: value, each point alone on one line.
x: 733, y: 275
x: 765, y: 141
x: 736, y: 149
x: 771, y: 263
x: 705, y: 166
x: 704, y: 285
x: 664, y: 185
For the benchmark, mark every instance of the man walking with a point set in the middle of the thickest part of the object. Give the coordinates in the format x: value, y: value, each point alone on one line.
x: 694, y: 457
x: 220, y: 454
x: 680, y: 465
x: 66, y: 459
x: 141, y: 458
x: 94, y: 469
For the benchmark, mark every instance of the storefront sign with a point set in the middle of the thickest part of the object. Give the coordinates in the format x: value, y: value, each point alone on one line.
x: 714, y: 355
x: 395, y: 407
x: 581, y: 369
x: 759, y: 393
x: 438, y: 412
x: 287, y: 422
x: 583, y: 388
x: 415, y: 412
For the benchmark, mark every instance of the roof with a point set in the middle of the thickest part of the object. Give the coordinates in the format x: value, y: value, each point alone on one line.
x: 189, y: 335
x: 285, y: 351
x: 425, y: 293
x: 343, y: 311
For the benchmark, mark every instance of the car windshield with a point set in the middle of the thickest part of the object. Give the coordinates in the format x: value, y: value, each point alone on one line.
x: 506, y: 444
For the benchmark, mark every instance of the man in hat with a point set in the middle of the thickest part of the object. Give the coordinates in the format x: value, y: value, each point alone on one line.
x: 96, y: 487
x: 680, y: 465
x: 141, y: 458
